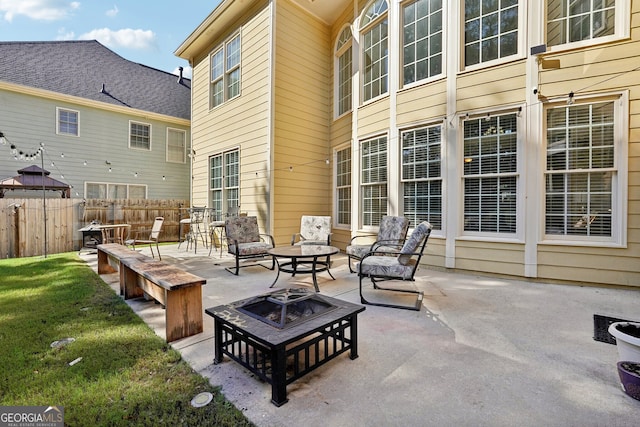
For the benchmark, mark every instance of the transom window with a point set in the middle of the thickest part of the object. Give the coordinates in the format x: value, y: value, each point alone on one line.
x: 490, y: 30
x: 422, y: 40
x: 343, y: 186
x: 581, y: 170
x: 344, y: 64
x: 375, y: 51
x: 176, y: 145
x: 140, y: 135
x: 373, y: 161
x: 225, y: 72
x: 422, y: 175
x: 68, y: 122
x: 490, y: 166
x: 224, y: 182
x: 576, y: 20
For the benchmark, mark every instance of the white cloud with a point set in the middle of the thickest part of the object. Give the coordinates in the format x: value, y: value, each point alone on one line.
x: 127, y: 38
x: 187, y: 72
x: 63, y: 34
x: 111, y: 13
x: 39, y: 10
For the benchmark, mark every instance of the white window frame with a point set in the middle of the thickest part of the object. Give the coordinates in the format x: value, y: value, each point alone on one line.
x: 372, y: 20
x: 107, y: 189
x: 148, y: 125
x: 231, y: 65
x: 409, y: 177
x: 428, y: 39
x: 366, y: 184
x: 59, y: 131
x: 343, y: 91
x: 227, y: 184
x: 622, y: 23
x: 518, y: 233
x: 342, y: 167
x: 520, y: 42
x: 619, y: 177
x: 183, y: 148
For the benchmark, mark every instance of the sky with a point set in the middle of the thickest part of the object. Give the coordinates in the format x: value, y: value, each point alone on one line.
x: 143, y: 31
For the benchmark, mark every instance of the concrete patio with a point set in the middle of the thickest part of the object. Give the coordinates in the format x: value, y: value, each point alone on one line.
x: 482, y: 352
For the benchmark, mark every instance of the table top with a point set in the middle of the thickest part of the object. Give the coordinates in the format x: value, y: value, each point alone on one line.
x: 109, y: 226
x: 303, y: 251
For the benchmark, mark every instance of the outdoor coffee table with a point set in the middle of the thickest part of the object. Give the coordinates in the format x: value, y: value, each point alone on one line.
x: 281, y: 355
x: 304, y: 259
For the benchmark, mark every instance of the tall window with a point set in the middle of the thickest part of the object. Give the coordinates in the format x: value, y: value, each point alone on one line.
x: 225, y: 72
x: 422, y: 175
x: 422, y: 39
x: 490, y: 174
x: 176, y: 145
x: 373, y: 163
x: 490, y: 30
x: 344, y: 63
x: 68, y: 122
x: 225, y: 181
x: 343, y: 186
x: 375, y: 51
x: 140, y: 135
x: 576, y: 20
x: 580, y: 170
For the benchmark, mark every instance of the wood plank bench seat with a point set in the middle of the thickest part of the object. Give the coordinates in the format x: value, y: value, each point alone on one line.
x: 109, y: 256
x: 179, y: 291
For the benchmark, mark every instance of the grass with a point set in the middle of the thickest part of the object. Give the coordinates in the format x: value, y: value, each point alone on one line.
x: 127, y: 375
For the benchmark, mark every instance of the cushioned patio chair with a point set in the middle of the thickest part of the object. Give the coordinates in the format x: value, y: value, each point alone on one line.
x: 244, y: 241
x: 380, y: 266
x: 314, y: 230
x: 390, y: 238
x: 151, y: 240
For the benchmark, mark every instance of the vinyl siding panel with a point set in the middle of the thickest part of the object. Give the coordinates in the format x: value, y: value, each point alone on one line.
x: 373, y: 117
x: 501, y: 258
x: 491, y: 87
x: 422, y: 103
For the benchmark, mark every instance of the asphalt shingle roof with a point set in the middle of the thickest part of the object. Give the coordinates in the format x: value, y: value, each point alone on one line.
x: 81, y: 68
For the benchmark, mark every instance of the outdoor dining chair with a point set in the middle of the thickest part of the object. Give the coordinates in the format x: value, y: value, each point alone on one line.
x: 390, y: 238
x: 151, y: 240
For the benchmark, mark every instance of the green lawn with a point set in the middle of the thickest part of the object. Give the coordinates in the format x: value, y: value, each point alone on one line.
x: 127, y: 375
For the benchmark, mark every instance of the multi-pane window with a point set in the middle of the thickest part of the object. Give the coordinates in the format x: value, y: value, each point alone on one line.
x: 375, y: 50
x: 224, y: 181
x: 225, y: 72
x: 67, y: 122
x: 343, y: 186
x: 140, y: 135
x: 345, y: 61
x: 104, y: 190
x: 422, y: 40
x: 580, y: 169
x: 490, y: 30
x: 571, y: 21
x: 490, y: 174
x: 422, y: 175
x: 373, y: 163
x: 176, y: 145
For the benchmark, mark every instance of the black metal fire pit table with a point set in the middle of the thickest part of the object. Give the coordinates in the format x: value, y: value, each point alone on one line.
x: 283, y: 335
x: 304, y: 259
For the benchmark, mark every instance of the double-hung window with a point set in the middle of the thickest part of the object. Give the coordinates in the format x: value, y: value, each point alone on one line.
x: 373, y: 163
x: 375, y: 50
x: 422, y: 40
x: 140, y: 135
x: 490, y: 30
x: 225, y: 72
x: 343, y: 186
x: 68, y: 122
x: 570, y: 21
x: 344, y: 55
x: 583, y: 186
x: 422, y: 175
x: 176, y: 145
x: 490, y: 174
x: 224, y: 181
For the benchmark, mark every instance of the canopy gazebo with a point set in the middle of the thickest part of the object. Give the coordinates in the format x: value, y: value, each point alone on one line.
x: 34, y: 178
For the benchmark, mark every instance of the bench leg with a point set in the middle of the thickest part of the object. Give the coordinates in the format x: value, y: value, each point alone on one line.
x: 183, y: 312
x: 129, y: 283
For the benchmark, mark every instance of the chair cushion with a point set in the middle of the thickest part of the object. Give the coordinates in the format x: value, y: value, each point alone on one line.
x: 386, y: 266
x: 244, y: 229
x: 315, y: 228
x: 312, y: 242
x: 393, y: 228
x: 412, y: 243
x: 358, y: 251
x: 251, y: 248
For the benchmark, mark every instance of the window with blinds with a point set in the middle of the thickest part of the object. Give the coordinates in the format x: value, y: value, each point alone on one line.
x: 373, y: 161
x: 343, y: 186
x: 224, y: 176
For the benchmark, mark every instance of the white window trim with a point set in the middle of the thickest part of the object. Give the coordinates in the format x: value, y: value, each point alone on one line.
x: 360, y: 184
x: 336, y: 71
x: 518, y: 236
x: 622, y: 23
x: 150, y: 135
x: 184, y: 154
x: 361, y: 33
x: 58, y: 132
x: 336, y: 224
x: 225, y: 72
x: 619, y: 189
x: 87, y: 183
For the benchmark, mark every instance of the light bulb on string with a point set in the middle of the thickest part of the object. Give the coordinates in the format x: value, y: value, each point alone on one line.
x: 62, y: 155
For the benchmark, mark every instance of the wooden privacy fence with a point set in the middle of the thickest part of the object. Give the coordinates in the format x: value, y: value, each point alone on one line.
x: 22, y: 222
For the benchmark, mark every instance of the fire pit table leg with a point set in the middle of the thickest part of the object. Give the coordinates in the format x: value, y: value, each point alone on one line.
x: 279, y: 376
x: 353, y: 332
x: 217, y: 332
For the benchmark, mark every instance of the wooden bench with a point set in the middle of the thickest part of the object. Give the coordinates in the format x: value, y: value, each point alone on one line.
x: 179, y: 291
x: 109, y: 256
